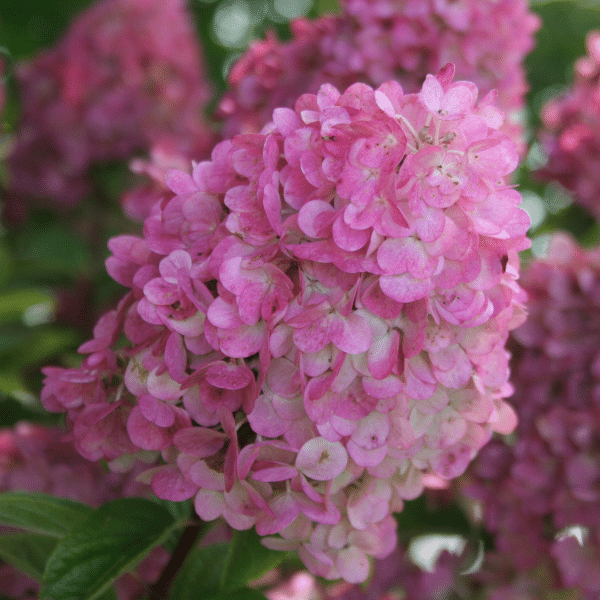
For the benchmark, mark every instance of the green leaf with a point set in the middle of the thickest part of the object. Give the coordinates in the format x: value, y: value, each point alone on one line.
x: 112, y: 541
x: 418, y: 519
x: 45, y: 342
x: 13, y: 303
x: 12, y: 411
x: 239, y: 594
x: 27, y: 552
x: 180, y: 512
x: 41, y: 513
x: 6, y: 265
x: 201, y: 574
x: 12, y: 384
x: 219, y: 571
x: 53, y: 247
x: 248, y: 560
x: 110, y: 594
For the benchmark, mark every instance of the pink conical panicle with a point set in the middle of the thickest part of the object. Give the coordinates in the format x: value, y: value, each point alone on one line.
x: 317, y: 317
x: 570, y: 134
x: 128, y: 76
x: 533, y: 491
x: 373, y: 41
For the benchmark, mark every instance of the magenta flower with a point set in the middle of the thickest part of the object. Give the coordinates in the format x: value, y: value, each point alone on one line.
x: 570, y: 137
x: 317, y: 318
x: 535, y: 492
x: 374, y: 41
x: 127, y: 76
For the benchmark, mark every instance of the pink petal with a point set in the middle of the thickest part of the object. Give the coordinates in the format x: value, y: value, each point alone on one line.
x: 369, y: 504
x: 176, y: 357
x: 353, y: 564
x: 199, y: 441
x: 145, y: 434
x: 205, y: 478
x: 457, y: 101
x: 229, y: 376
x: 319, y: 333
x: 209, y: 505
x: 383, y: 354
x: 272, y: 205
x: 180, y: 182
x: 404, y: 288
x: 372, y: 431
x: 223, y: 315
x: 170, y: 484
x: 249, y: 303
x: 366, y: 458
x: 163, y: 386
x: 287, y: 121
x: 314, y: 216
x: 354, y: 403
x: 155, y: 411
x: 355, y: 335
x: 309, y: 490
x: 318, y: 512
x: 265, y: 421
x: 347, y: 238
x: 173, y: 266
x: 158, y: 291
x: 507, y: 418
x: 275, y: 473
x: 452, y: 462
x: 243, y: 341
x: 322, y: 460
x: 285, y: 510
x: 431, y: 94
x: 473, y: 405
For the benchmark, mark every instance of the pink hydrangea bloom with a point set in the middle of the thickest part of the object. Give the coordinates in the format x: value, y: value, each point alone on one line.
x: 316, y: 318
x: 36, y: 458
x: 377, y: 40
x: 571, y: 137
x: 548, y: 481
x: 127, y: 74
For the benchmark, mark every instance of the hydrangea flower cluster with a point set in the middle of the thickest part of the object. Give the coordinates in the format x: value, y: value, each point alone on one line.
x: 35, y: 458
x: 316, y: 318
x: 128, y: 74
x: 571, y: 137
x: 547, y: 482
x: 377, y: 40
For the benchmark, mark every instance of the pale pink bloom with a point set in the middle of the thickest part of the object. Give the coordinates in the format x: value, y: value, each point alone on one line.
x: 317, y: 319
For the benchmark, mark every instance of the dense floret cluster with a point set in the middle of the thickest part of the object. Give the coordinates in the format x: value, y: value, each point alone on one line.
x: 35, y: 458
x: 127, y: 75
x: 374, y: 41
x: 572, y: 131
x: 537, y: 490
x: 316, y: 317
